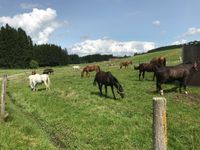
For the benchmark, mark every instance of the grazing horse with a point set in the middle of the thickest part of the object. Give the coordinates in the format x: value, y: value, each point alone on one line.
x: 125, y: 64
x: 76, y: 67
x: 160, y: 61
x: 145, y: 67
x: 179, y: 72
x: 107, y: 79
x: 88, y: 69
x: 38, y: 79
x: 48, y: 71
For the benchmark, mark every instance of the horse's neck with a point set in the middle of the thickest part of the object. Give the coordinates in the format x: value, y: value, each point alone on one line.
x: 116, y: 84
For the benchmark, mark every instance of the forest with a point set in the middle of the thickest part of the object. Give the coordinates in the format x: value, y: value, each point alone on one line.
x: 18, y: 51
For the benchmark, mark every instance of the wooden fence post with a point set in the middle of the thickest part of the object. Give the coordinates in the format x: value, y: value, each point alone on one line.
x: 3, y: 97
x: 159, y: 124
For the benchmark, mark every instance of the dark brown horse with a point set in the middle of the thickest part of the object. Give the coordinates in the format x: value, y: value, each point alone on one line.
x: 88, y: 69
x: 159, y: 61
x: 107, y: 79
x: 145, y: 67
x: 48, y: 71
x: 125, y: 64
x: 178, y: 73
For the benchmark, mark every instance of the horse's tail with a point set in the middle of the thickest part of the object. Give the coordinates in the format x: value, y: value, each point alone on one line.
x: 155, y: 68
x: 164, y: 63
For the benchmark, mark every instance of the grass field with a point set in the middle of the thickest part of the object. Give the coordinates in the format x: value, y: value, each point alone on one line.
x: 73, y: 116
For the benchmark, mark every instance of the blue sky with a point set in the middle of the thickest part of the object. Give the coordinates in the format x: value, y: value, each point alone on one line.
x: 105, y: 26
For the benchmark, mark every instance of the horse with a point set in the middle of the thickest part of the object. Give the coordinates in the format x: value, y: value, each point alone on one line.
x: 88, y: 69
x: 125, y: 64
x: 38, y: 79
x: 76, y: 67
x: 48, y: 71
x: 179, y: 73
x: 159, y: 61
x: 145, y: 67
x: 107, y: 79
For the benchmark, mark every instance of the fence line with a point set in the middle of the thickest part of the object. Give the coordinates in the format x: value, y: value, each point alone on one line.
x: 4, y: 115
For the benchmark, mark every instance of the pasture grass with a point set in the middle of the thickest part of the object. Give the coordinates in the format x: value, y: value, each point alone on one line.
x: 72, y: 115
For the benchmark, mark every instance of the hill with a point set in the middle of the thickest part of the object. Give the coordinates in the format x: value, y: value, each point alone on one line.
x: 73, y: 116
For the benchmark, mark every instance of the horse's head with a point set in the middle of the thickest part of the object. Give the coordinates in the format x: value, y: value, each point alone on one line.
x: 131, y: 62
x: 33, y: 72
x: 120, y: 91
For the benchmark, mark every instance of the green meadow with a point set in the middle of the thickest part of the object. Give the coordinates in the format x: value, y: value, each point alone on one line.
x: 72, y: 115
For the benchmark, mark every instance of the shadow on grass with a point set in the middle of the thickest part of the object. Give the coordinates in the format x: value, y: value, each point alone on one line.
x: 149, y: 80
x: 103, y: 95
x: 174, y: 89
x: 42, y: 89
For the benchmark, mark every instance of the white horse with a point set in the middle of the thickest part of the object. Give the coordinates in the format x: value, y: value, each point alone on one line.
x: 37, y: 79
x: 76, y: 67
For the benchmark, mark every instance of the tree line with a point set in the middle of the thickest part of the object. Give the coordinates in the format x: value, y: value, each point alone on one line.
x: 18, y: 51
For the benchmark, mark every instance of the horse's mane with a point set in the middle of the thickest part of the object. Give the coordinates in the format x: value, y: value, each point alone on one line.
x: 112, y: 77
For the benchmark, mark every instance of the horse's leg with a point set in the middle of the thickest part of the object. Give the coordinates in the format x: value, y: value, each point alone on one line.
x: 180, y: 85
x: 106, y: 90
x: 184, y: 85
x: 159, y: 88
x: 31, y: 85
x: 139, y: 75
x: 154, y: 74
x: 100, y: 88
x: 34, y: 86
x: 46, y: 85
x: 143, y: 73
x: 88, y: 74
x: 113, y: 92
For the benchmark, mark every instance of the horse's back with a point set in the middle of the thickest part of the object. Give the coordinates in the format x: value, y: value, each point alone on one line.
x: 44, y: 76
x: 172, y: 72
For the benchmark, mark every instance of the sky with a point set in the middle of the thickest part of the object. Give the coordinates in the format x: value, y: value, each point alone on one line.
x: 118, y: 27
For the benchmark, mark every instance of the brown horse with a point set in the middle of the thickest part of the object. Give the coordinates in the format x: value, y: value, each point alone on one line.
x: 148, y: 67
x: 88, y: 69
x: 125, y: 64
x: 175, y: 73
x: 107, y: 79
x: 159, y: 61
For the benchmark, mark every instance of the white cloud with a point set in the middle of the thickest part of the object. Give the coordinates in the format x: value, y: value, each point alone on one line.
x: 156, y: 22
x: 29, y: 5
x: 191, y: 31
x: 39, y: 23
x: 179, y: 42
x: 108, y: 46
